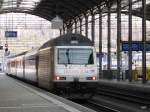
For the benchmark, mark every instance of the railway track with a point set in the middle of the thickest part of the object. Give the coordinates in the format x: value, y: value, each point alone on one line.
x: 139, y: 100
x: 109, y: 99
x: 101, y: 108
x: 95, y: 105
x: 127, y: 96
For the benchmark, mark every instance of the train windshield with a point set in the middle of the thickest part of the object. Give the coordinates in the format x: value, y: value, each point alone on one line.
x: 76, y: 56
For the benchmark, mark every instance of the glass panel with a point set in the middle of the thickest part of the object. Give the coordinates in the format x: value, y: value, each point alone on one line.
x: 75, y: 56
x: 20, y: 4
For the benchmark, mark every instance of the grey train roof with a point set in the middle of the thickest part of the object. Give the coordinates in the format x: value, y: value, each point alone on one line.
x: 65, y: 40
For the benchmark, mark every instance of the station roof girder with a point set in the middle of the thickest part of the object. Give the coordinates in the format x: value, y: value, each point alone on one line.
x: 68, y: 10
x: 138, y: 12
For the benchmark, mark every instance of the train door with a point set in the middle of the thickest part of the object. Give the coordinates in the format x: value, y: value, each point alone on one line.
x: 23, y: 63
x: 36, y: 66
x: 51, y: 66
x: 44, y: 68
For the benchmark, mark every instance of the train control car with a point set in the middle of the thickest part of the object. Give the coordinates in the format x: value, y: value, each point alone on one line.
x: 65, y: 65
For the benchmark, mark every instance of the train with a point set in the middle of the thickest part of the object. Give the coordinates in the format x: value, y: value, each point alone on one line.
x: 65, y: 65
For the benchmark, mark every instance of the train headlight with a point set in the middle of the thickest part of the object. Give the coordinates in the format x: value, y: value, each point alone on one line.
x: 91, y: 78
x: 57, y: 77
x: 60, y: 78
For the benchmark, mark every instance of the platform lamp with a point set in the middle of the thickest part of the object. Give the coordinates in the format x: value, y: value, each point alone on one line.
x: 7, y: 52
x: 6, y: 47
x: 57, y: 21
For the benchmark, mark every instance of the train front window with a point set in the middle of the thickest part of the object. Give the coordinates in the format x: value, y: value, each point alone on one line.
x: 75, y: 56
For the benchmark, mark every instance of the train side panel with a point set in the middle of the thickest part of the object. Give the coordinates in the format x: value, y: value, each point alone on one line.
x: 8, y: 67
x: 13, y: 67
x: 30, y: 69
x: 19, y: 67
x: 45, y: 69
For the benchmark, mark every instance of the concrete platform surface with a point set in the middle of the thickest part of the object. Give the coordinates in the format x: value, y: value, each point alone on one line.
x: 16, y: 96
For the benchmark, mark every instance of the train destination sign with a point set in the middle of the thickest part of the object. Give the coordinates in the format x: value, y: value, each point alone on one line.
x: 10, y: 34
x: 136, y: 46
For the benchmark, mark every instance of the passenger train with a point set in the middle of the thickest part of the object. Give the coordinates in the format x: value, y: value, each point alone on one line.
x: 65, y: 65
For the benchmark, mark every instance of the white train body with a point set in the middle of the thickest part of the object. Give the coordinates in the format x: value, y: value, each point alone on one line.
x: 65, y: 65
x: 78, y: 69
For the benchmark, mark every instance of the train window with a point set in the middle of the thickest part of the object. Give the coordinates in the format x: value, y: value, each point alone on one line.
x: 13, y: 64
x: 75, y: 56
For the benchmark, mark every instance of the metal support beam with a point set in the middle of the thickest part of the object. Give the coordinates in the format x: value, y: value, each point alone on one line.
x: 108, y: 38
x: 93, y: 28
x: 100, y: 43
x: 63, y: 29
x: 144, y: 41
x: 75, y: 22
x: 68, y: 30
x: 86, y: 26
x: 71, y: 29
x: 80, y: 26
x: 18, y: 2
x: 130, y: 41
x: 118, y: 38
x: 60, y: 31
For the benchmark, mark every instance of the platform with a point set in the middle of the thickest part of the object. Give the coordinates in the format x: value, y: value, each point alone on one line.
x: 16, y: 96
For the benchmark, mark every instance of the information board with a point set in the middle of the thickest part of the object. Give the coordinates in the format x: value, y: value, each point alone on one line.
x: 10, y: 34
x: 136, y: 46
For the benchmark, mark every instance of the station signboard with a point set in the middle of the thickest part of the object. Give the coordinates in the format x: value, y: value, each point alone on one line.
x: 11, y: 34
x: 136, y: 46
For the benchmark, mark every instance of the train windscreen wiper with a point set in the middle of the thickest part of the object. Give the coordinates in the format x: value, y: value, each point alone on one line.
x: 67, y: 54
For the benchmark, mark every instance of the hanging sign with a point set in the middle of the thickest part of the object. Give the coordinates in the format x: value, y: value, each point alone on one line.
x: 11, y: 34
x: 136, y: 46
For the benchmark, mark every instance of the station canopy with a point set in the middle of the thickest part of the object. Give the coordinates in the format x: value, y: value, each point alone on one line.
x: 66, y: 9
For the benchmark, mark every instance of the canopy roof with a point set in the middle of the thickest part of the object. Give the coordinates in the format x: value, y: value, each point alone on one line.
x: 66, y: 9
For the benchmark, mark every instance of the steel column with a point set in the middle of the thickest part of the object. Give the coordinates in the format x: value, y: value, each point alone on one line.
x: 68, y: 29
x: 75, y: 22
x: 144, y: 41
x: 100, y: 43
x: 60, y: 31
x: 118, y: 38
x: 130, y: 41
x: 63, y: 29
x: 71, y: 28
x: 108, y: 38
x: 93, y: 28
x: 86, y: 26
x: 80, y: 26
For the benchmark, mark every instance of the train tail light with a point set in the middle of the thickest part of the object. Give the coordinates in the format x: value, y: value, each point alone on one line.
x: 91, y: 78
x: 60, y: 78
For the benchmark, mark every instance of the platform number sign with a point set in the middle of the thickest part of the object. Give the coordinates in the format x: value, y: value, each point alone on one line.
x: 10, y: 34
